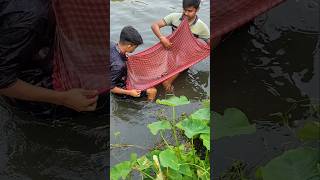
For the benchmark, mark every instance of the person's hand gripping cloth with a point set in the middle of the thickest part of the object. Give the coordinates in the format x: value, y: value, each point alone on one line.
x: 81, y: 45
x: 156, y: 64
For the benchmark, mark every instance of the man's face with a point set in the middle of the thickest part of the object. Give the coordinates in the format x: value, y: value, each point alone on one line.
x: 190, y: 12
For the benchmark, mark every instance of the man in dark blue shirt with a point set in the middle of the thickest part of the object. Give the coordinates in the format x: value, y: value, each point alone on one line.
x: 130, y: 39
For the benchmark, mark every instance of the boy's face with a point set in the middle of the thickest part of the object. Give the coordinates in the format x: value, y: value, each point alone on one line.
x: 131, y: 48
x: 190, y: 12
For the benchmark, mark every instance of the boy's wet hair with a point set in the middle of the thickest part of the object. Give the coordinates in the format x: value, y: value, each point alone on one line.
x: 191, y: 3
x: 130, y: 35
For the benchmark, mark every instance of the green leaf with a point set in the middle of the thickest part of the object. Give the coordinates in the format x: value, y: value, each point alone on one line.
x: 173, y: 174
x: 120, y: 170
x: 310, y: 131
x: 193, y: 127
x: 201, y: 173
x: 185, y: 169
x: 133, y: 157
x: 143, y: 163
x: 168, y: 158
x: 206, y: 103
x: 296, y: 164
x: 159, y: 125
x: 188, y: 156
x: 233, y: 122
x: 116, y: 133
x: 154, y: 152
x: 201, y: 114
x: 206, y: 140
x: 258, y: 173
x: 174, y: 101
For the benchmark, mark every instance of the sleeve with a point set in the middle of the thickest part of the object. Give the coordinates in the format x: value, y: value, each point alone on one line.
x: 169, y: 19
x: 205, y: 33
x: 115, y: 73
x: 15, y: 46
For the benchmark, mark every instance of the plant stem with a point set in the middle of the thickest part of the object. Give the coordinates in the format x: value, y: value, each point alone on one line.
x: 174, y: 131
x: 207, y: 155
x: 198, y: 167
x: 192, y: 143
x: 126, y: 145
x: 161, y: 134
x: 174, y: 126
x: 146, y: 174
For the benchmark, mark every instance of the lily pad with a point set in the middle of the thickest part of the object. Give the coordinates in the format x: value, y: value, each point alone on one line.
x: 159, y: 125
x: 120, y: 170
x: 310, y: 131
x: 233, y: 122
x: 168, y: 158
x: 174, y: 101
x: 296, y: 164
x: 206, y: 140
x: 193, y: 127
x: 201, y: 114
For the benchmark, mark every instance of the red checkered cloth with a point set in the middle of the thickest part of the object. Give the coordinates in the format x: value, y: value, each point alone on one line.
x: 81, y: 44
x: 226, y: 15
x: 156, y: 64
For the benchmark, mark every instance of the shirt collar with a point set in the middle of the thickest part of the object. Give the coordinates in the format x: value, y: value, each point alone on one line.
x: 194, y: 21
x: 121, y: 54
x: 117, y: 48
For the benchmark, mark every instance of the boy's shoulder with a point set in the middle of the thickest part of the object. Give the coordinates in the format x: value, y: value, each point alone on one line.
x: 201, y: 24
x: 173, y: 18
x: 175, y: 14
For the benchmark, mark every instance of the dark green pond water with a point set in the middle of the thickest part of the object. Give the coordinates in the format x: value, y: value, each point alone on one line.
x: 267, y: 67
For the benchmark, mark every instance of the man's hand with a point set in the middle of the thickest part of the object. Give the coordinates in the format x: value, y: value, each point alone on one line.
x: 134, y: 93
x: 156, y: 30
x: 165, y: 42
x: 80, y: 99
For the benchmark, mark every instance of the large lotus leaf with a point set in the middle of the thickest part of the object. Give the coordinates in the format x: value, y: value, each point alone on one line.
x: 296, y: 164
x: 120, y: 170
x: 201, y: 114
x: 193, y: 127
x: 233, y: 122
x: 173, y: 174
x: 185, y: 169
x: 159, y: 125
x: 174, y: 101
x: 206, y: 140
x: 310, y: 131
x: 168, y: 158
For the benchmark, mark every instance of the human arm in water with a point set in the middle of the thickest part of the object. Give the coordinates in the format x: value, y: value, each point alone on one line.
x: 77, y: 99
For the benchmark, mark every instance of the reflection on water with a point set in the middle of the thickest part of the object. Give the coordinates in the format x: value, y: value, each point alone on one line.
x: 130, y: 117
x: 270, y: 70
x: 64, y: 149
